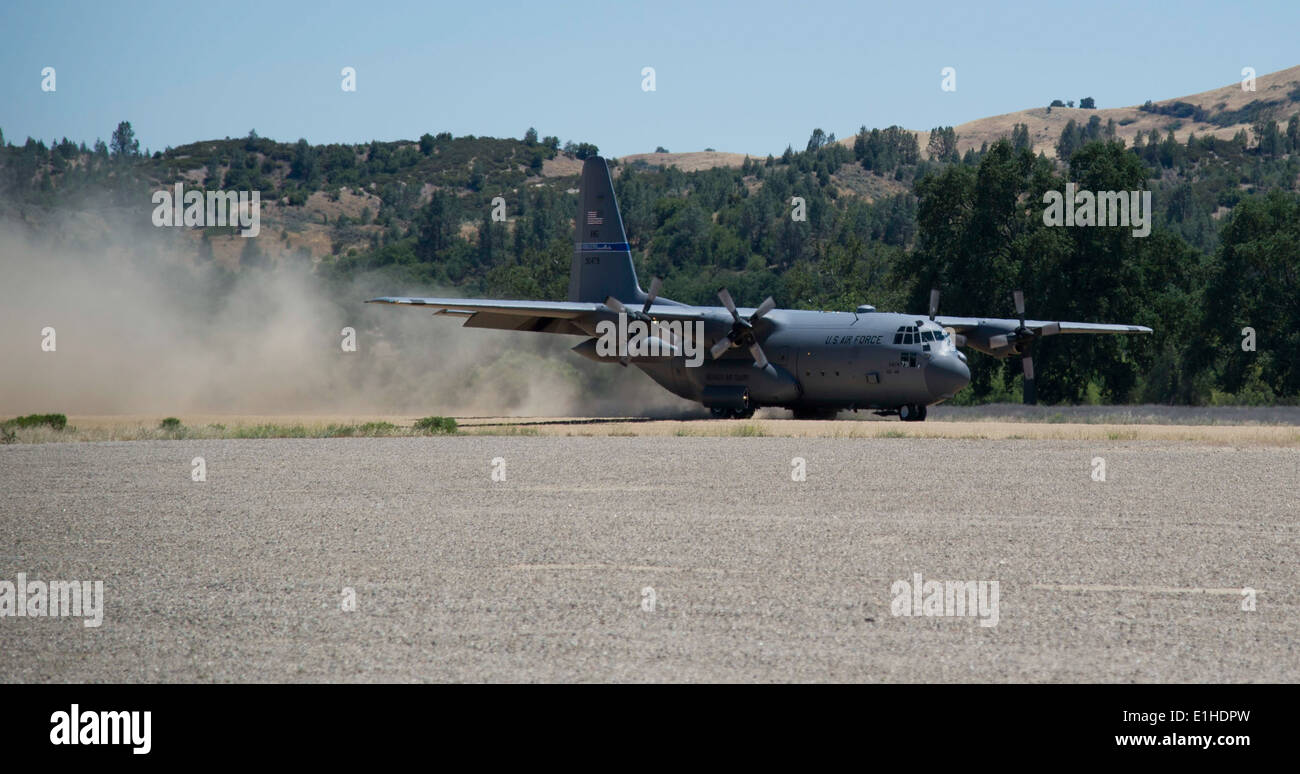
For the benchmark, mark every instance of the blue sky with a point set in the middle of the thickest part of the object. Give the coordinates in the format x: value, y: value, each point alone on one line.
x: 747, y: 77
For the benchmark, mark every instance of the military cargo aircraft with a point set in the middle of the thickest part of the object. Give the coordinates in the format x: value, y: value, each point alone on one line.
x: 813, y: 363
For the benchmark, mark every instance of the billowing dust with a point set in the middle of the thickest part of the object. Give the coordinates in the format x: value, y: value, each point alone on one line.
x: 141, y: 325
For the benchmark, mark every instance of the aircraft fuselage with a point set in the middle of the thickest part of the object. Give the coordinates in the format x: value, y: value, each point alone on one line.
x: 823, y: 360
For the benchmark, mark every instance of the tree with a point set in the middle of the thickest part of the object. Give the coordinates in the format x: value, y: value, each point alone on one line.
x: 1271, y: 141
x: 530, y: 137
x: 1071, y: 140
x: 436, y: 225
x: 943, y: 144
x: 1057, y: 103
x: 305, y: 165
x: 1088, y: 103
x: 1254, y: 285
x: 1020, y: 139
x: 426, y: 144
x: 660, y: 149
x: 817, y: 140
x: 124, y: 142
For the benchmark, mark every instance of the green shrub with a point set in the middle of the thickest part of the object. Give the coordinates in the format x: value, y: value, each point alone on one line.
x: 170, y: 424
x: 56, y: 421
x: 436, y: 425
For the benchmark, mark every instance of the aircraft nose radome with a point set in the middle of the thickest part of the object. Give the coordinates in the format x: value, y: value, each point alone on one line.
x: 944, y: 376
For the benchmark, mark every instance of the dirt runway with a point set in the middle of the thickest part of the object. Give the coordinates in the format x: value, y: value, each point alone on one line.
x: 655, y: 559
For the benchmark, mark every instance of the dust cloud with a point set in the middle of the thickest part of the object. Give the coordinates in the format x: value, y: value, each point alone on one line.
x: 141, y: 325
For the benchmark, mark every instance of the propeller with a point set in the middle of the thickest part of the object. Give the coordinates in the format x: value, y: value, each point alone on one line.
x: 958, y: 340
x: 644, y: 315
x: 619, y: 307
x: 742, y: 330
x: 656, y: 285
x: 1027, y: 336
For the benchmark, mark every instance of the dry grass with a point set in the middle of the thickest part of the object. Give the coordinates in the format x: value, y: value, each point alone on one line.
x: 1045, y: 128
x: 689, y: 162
x: 132, y: 428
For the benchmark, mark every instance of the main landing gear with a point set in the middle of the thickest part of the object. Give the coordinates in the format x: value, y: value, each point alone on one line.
x: 729, y: 413
x: 815, y: 413
x: 911, y: 413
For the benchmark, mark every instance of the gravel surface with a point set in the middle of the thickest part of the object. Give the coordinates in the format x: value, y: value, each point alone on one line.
x: 755, y: 577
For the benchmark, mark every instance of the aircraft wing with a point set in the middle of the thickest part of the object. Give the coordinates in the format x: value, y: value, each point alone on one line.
x: 537, y: 316
x: 963, y: 324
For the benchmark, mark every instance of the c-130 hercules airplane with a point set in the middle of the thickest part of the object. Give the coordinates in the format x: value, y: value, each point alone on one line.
x: 812, y: 362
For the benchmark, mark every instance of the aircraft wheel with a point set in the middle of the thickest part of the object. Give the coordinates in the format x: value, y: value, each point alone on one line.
x: 911, y: 413
x: 720, y: 413
x: 742, y: 413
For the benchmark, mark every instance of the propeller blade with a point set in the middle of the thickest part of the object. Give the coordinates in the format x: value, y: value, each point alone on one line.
x: 656, y: 285
x: 1031, y: 395
x: 725, y: 297
x: 616, y: 305
x: 998, y: 342
x: 934, y: 302
x: 759, y: 358
x: 720, y: 347
x: 959, y: 340
x: 668, y: 334
x: 1019, y: 297
x: 763, y: 308
x: 1051, y: 329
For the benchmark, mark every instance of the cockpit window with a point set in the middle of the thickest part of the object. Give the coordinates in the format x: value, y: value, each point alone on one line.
x: 927, y: 336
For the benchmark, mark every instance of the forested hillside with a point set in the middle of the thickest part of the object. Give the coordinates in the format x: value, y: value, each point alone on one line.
x: 887, y: 219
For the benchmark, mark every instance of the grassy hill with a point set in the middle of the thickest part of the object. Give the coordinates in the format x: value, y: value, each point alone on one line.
x: 1222, y: 112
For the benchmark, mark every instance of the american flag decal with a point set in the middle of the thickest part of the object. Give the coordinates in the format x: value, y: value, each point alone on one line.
x: 594, y: 219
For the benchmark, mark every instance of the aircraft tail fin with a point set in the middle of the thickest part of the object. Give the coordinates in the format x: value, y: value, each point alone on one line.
x: 602, y: 260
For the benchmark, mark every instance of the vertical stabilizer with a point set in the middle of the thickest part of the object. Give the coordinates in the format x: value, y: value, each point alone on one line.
x: 602, y: 260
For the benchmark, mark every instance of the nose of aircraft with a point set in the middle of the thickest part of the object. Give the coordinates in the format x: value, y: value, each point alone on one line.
x: 945, y: 375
